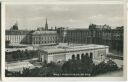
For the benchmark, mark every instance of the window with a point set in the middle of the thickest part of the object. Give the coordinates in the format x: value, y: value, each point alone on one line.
x: 86, y: 54
x: 91, y: 55
x: 82, y: 56
x: 78, y: 57
x: 73, y: 57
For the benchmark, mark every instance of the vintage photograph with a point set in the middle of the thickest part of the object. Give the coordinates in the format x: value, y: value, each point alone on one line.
x: 64, y: 40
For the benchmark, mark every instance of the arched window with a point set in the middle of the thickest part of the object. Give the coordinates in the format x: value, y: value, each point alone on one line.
x: 86, y: 54
x: 73, y: 57
x: 82, y: 56
x: 78, y: 57
x: 91, y: 55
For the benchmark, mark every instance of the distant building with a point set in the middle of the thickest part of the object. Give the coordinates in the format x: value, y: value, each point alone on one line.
x: 95, y: 34
x: 40, y: 36
x: 64, y: 53
x: 14, y: 35
x: 44, y: 37
x: 82, y: 36
x: 108, y: 36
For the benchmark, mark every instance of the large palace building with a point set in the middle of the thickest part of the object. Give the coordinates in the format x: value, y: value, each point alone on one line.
x: 42, y: 36
x: 14, y: 35
x: 65, y: 52
x: 95, y: 34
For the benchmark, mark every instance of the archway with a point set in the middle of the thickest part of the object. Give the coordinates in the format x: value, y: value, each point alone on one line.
x: 78, y: 57
x: 73, y: 57
x: 82, y: 55
x: 91, y: 55
x: 87, y: 55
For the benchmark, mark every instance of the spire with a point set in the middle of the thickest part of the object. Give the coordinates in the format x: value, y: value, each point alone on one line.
x: 46, y: 25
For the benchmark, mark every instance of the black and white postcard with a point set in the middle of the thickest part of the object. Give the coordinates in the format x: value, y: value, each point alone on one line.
x: 64, y: 40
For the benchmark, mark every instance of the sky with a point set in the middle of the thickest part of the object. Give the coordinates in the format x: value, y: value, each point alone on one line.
x: 66, y: 15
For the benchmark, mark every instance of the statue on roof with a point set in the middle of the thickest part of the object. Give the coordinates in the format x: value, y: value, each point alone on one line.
x: 15, y: 26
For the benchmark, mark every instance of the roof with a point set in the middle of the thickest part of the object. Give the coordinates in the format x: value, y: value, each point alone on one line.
x: 44, y: 32
x: 17, y: 32
x: 15, y: 49
x: 55, y: 49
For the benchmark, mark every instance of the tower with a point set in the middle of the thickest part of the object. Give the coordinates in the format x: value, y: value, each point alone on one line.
x: 46, y: 25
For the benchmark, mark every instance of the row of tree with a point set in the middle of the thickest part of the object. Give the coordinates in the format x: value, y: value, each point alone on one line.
x: 72, y: 67
x: 20, y: 55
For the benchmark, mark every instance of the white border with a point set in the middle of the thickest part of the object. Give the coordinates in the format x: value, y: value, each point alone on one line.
x: 3, y: 40
x: 29, y: 2
x: 57, y: 78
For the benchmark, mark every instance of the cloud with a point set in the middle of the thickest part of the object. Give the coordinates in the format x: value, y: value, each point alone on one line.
x: 58, y: 8
x: 72, y: 20
x: 115, y: 18
x: 99, y: 16
x: 64, y: 15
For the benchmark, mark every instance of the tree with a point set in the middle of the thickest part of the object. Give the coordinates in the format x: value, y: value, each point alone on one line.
x: 104, y: 67
x: 85, y: 65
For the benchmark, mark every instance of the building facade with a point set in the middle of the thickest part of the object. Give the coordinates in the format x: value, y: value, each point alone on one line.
x: 95, y: 34
x: 40, y: 36
x: 108, y: 36
x: 61, y: 54
x: 82, y: 36
x: 44, y: 37
x: 18, y: 36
